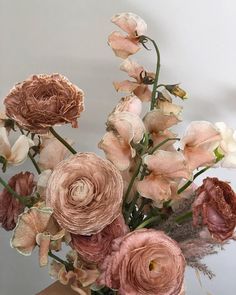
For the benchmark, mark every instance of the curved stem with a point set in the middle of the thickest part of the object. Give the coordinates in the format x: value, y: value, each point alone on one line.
x: 148, y: 221
x: 63, y: 141
x: 34, y: 163
x: 67, y: 265
x: 162, y: 143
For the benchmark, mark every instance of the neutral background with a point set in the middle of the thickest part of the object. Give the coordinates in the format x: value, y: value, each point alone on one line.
x: 198, y: 47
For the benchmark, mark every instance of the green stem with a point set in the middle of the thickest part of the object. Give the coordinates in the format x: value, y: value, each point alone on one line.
x: 34, y: 163
x: 160, y: 144
x: 148, y: 221
x: 63, y: 141
x: 67, y: 265
x: 154, y: 89
x: 184, y: 217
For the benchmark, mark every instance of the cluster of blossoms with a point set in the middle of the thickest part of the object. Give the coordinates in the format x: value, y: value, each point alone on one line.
x: 129, y: 219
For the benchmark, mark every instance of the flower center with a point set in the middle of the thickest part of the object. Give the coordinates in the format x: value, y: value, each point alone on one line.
x: 79, y: 190
x: 154, y: 266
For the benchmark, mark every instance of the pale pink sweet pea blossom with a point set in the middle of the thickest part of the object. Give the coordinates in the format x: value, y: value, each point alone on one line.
x: 166, y: 170
x: 227, y: 145
x: 130, y: 103
x: 134, y: 26
x: 17, y: 153
x: 138, y: 86
x: 124, y: 128
x: 199, y: 142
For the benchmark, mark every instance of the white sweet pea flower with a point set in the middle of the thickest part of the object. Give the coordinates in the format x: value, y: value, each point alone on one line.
x: 17, y: 153
x: 227, y: 145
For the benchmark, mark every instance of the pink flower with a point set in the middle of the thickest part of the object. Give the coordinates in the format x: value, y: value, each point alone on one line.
x: 144, y: 262
x: 166, y: 170
x: 10, y: 207
x: 199, y: 142
x: 81, y: 189
x: 216, y: 204
x: 96, y: 247
x: 140, y: 86
x: 123, y: 128
x: 134, y: 26
x: 131, y: 104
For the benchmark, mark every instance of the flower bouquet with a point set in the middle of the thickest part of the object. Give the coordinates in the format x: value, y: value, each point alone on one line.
x: 133, y: 221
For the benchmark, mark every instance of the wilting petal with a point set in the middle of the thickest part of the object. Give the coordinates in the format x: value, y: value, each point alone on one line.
x: 169, y: 108
x: 20, y: 150
x: 125, y: 86
x: 131, y: 104
x: 43, y: 240
x: 143, y: 92
x: 155, y: 121
x: 132, y: 68
x: 30, y: 223
x: 130, y: 23
x: 42, y: 182
x: 5, y: 148
x: 122, y: 45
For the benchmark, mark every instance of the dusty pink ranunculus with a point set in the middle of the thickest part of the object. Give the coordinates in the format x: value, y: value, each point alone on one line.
x: 134, y: 26
x: 96, y: 247
x: 144, y: 262
x: 199, y: 142
x: 166, y: 170
x: 43, y: 101
x: 123, y: 129
x: 216, y: 204
x: 10, y: 207
x: 139, y: 87
x: 85, y: 193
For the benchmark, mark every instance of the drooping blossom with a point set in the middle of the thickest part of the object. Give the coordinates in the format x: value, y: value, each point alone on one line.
x: 80, y: 191
x: 80, y: 278
x: 166, y: 169
x: 141, y: 80
x: 126, y: 45
x: 52, y: 152
x: 216, y: 205
x: 176, y: 91
x: 124, y: 129
x: 199, y: 142
x: 131, y: 104
x: 10, y: 207
x: 43, y: 101
x: 37, y: 227
x: 145, y: 262
x: 17, y: 153
x: 96, y: 247
x: 227, y: 145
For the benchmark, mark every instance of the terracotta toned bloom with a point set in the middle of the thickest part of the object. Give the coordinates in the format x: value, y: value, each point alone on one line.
x: 85, y: 193
x: 144, y: 262
x: 43, y: 101
x: 216, y: 204
x: 96, y: 247
x: 10, y: 207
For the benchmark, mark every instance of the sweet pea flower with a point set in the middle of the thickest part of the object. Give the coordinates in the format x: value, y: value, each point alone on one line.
x: 166, y: 169
x: 131, y: 104
x: 199, y: 142
x: 123, y: 129
x: 227, y: 145
x: 16, y: 154
x: 139, y: 87
x: 134, y: 26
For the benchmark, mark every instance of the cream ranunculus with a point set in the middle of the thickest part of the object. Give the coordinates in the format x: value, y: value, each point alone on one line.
x: 85, y: 193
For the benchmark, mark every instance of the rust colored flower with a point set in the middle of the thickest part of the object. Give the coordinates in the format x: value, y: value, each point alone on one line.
x: 96, y: 247
x: 85, y: 192
x: 144, y: 262
x: 43, y: 101
x: 10, y: 207
x: 216, y: 204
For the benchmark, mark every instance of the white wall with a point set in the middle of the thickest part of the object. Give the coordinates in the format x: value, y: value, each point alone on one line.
x: 198, y: 47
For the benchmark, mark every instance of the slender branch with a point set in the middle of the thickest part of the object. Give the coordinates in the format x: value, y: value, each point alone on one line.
x: 184, y: 217
x: 63, y: 141
x: 34, y: 163
x: 67, y: 265
x: 162, y: 143
x: 148, y: 221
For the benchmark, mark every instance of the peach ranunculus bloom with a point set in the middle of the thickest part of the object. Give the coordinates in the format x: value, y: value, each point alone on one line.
x: 215, y: 203
x: 80, y: 278
x: 81, y: 189
x: 166, y: 169
x: 43, y: 101
x: 10, y: 207
x: 144, y: 262
x: 199, y: 142
x: 124, y: 129
x: 139, y: 87
x: 52, y: 152
x: 130, y: 103
x: 96, y: 247
x: 37, y: 227
x: 17, y: 153
x: 134, y: 26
